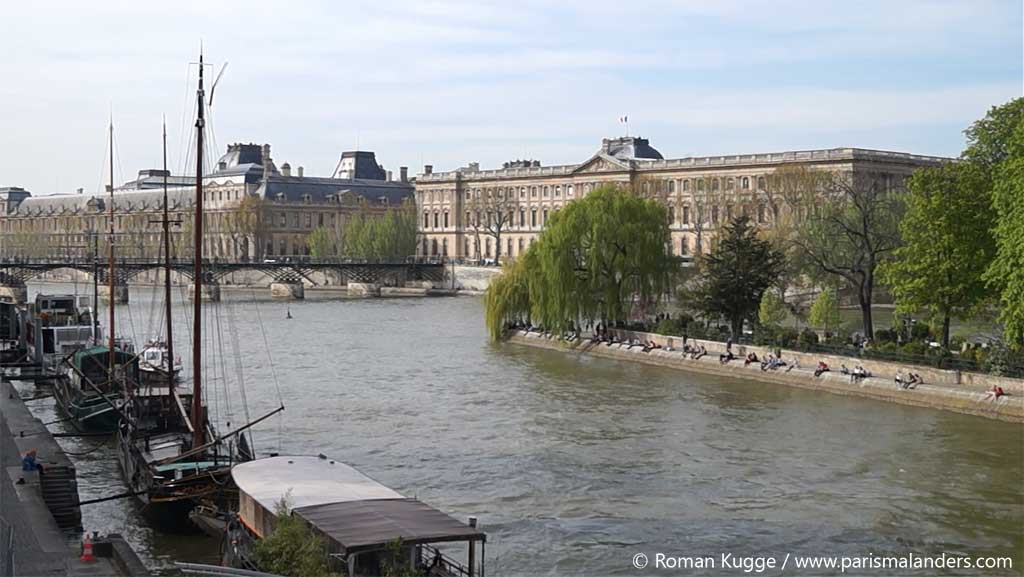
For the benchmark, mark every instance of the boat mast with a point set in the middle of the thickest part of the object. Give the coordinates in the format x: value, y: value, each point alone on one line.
x: 198, y: 421
x: 167, y: 281
x: 110, y: 273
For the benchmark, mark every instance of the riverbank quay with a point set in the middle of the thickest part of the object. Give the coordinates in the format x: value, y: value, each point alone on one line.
x: 963, y: 393
x: 38, y: 508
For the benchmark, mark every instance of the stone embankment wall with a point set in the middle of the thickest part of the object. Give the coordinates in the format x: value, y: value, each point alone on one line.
x: 969, y: 396
x: 471, y: 279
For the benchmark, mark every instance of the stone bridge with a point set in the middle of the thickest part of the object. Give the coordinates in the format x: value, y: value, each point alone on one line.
x: 14, y: 273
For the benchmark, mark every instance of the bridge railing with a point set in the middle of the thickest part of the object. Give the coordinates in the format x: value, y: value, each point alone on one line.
x: 213, y: 262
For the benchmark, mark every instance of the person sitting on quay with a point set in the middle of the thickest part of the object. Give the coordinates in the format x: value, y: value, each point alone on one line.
x: 795, y: 365
x: 995, y: 393
x: 914, y: 380
x: 858, y: 374
x: 29, y: 463
x: 751, y: 358
x: 700, y: 352
x: 726, y: 356
x: 844, y: 371
x: 822, y: 368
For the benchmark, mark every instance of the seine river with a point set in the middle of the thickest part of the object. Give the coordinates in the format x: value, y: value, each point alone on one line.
x: 574, y: 465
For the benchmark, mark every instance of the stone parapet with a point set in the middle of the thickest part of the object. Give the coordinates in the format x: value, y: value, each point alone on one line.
x: 937, y: 395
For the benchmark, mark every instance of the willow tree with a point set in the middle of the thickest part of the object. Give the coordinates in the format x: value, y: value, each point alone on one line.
x: 508, y: 297
x: 597, y: 259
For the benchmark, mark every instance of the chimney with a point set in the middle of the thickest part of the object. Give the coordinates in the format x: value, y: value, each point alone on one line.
x: 389, y: 176
x: 403, y: 173
x: 428, y: 169
x: 81, y: 190
x: 300, y: 172
x: 286, y: 170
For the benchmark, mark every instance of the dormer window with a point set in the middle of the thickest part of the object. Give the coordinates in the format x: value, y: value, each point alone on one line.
x: 307, y: 198
x: 280, y: 197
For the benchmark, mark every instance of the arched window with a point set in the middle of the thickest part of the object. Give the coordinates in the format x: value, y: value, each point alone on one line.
x: 644, y: 187
x: 671, y: 186
x: 436, y: 220
x: 714, y: 184
x: 558, y: 191
x: 700, y: 185
x: 522, y: 217
x: 684, y: 245
x: 426, y: 220
x: 568, y: 190
x: 446, y: 219
x: 545, y: 191
x: 745, y: 183
x: 533, y: 191
x: 686, y: 185
x: 730, y: 184
x: 533, y: 218
x: 760, y: 183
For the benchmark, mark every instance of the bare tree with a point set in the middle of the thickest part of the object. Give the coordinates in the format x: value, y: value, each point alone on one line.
x: 492, y: 212
x: 847, y: 224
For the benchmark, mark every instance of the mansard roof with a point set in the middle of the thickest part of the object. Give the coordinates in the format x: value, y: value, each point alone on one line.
x: 296, y: 189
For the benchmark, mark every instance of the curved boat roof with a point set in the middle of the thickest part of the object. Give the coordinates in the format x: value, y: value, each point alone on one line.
x: 306, y: 481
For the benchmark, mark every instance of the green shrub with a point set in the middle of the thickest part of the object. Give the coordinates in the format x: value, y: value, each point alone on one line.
x: 292, y: 549
x: 808, y: 337
x: 920, y: 331
x: 885, y: 336
x: 915, y: 348
x: 787, y: 337
x: 669, y: 327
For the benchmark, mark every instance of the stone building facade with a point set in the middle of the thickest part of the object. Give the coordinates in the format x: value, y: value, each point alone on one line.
x: 701, y: 193
x: 253, y: 210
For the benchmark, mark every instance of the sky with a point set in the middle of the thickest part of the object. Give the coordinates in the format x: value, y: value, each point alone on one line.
x: 451, y: 82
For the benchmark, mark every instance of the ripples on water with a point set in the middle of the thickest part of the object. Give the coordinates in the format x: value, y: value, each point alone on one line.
x: 573, y: 464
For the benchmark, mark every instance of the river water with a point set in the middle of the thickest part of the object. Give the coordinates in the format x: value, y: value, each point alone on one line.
x: 575, y: 464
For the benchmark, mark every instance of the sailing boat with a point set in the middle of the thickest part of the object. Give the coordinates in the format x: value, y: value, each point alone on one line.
x: 92, y: 395
x: 171, y: 456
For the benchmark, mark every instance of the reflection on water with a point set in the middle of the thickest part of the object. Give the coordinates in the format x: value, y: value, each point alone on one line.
x: 573, y: 464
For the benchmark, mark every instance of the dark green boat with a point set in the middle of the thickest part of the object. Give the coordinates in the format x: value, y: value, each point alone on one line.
x: 88, y: 395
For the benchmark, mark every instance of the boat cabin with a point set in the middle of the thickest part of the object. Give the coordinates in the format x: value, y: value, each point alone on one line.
x: 92, y: 364
x: 55, y: 327
x: 360, y: 519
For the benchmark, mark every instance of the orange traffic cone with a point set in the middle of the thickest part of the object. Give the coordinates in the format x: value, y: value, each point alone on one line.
x: 87, y: 556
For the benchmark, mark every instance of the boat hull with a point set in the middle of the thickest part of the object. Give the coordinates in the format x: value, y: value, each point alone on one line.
x: 88, y: 411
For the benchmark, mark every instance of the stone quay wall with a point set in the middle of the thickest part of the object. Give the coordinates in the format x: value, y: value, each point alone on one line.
x: 968, y: 396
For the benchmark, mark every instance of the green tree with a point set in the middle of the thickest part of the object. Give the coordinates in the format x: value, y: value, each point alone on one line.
x: 292, y: 549
x: 947, y: 244
x: 320, y: 243
x: 773, y: 310
x: 1006, y: 273
x: 737, y: 273
x: 989, y: 139
x: 825, y: 311
x: 597, y: 259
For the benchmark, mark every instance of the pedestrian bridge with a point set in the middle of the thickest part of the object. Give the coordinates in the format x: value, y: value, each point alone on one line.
x: 15, y: 272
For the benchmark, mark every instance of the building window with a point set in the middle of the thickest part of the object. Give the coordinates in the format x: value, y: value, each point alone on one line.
x: 760, y: 213
x: 321, y: 219
x: 714, y: 214
x: 644, y: 187
x: 700, y: 185
x: 728, y: 212
x: 284, y: 248
x: 684, y: 245
x: 745, y: 183
x: 544, y: 220
x: 545, y: 191
x: 714, y: 184
x: 446, y: 220
x: 672, y: 214
x: 760, y: 183
x: 466, y: 223
x: 558, y: 191
x: 295, y: 221
x: 270, y: 248
x: 729, y: 184
x: 426, y: 220
x: 775, y: 213
x: 508, y: 248
x: 437, y: 219
x: 522, y: 192
x: 568, y: 190
x: 284, y: 220
x: 686, y: 214
x: 487, y: 249
x: 533, y: 191
x: 444, y: 247
x: 522, y: 217
x: 433, y: 247
x: 686, y: 185
x: 465, y: 247
x: 671, y: 186
x: 309, y: 220
x: 520, y: 246
x: 533, y: 218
